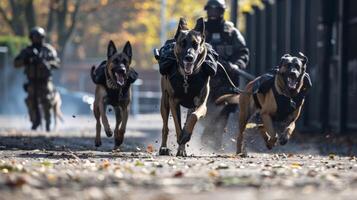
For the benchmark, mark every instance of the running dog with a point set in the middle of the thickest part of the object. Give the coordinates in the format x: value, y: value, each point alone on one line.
x: 113, y: 79
x: 186, y: 64
x: 274, y: 100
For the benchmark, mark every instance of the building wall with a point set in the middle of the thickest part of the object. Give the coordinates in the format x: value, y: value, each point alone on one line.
x: 325, y: 31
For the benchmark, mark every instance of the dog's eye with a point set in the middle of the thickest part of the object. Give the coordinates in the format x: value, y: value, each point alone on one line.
x: 194, y: 44
x: 115, y: 61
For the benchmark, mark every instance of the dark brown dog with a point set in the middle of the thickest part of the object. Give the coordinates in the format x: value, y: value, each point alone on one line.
x: 187, y: 84
x: 276, y: 99
x: 113, y: 79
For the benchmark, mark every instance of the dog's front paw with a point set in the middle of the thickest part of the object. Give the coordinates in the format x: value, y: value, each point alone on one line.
x: 98, y: 142
x: 271, y: 143
x: 109, y: 133
x: 118, y: 140
x: 283, y: 140
x: 164, y: 151
x: 181, y: 153
x: 242, y: 152
x: 185, y: 137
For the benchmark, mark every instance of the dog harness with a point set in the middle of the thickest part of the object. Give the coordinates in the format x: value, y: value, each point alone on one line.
x: 186, y: 88
x: 285, y: 105
x: 114, y: 92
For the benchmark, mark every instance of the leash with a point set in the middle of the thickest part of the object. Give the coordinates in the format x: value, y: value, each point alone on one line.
x: 230, y: 80
x: 157, y: 57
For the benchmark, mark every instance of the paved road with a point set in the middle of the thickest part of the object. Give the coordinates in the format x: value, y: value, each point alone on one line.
x: 66, y: 165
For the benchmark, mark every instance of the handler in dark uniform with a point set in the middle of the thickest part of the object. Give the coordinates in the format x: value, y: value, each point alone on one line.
x: 38, y: 59
x: 233, y: 55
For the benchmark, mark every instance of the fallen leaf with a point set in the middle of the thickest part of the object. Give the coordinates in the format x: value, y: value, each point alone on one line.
x: 16, y: 181
x: 213, y: 173
x: 178, y: 174
x: 296, y: 165
x: 150, y: 148
x: 104, y: 165
x: 138, y: 163
x: 331, y: 156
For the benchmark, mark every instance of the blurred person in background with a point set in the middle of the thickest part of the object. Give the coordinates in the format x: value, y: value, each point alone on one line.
x: 38, y: 59
x: 233, y: 55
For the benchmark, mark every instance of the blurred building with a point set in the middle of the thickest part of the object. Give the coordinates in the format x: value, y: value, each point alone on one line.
x: 325, y: 31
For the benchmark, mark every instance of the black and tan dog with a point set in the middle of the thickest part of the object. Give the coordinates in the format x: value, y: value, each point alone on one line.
x: 113, y: 79
x: 185, y: 81
x: 276, y: 100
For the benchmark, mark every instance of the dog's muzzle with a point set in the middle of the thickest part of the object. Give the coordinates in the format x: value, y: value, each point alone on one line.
x: 120, y: 76
x: 292, y: 79
x: 188, y: 64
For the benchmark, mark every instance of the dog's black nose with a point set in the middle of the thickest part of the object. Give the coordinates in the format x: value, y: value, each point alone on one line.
x: 189, y: 58
x: 121, y: 70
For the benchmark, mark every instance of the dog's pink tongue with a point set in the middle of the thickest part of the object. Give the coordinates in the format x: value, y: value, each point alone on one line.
x: 120, y: 79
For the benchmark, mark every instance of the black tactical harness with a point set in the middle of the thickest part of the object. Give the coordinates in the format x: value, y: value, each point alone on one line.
x: 186, y: 88
x: 285, y: 105
x: 114, y: 94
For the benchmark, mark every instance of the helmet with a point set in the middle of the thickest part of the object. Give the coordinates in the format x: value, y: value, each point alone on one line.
x: 37, y: 31
x: 216, y: 3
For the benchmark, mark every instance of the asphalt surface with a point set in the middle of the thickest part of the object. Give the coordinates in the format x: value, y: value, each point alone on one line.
x: 64, y: 164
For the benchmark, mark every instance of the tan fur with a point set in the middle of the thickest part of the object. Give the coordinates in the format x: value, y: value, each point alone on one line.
x: 170, y: 103
x: 121, y: 116
x: 100, y: 104
x: 268, y: 108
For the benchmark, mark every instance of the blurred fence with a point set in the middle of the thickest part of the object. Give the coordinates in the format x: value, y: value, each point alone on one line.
x: 325, y: 31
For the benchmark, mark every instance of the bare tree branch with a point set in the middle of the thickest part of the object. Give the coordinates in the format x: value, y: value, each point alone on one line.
x: 73, y: 19
x: 50, y: 18
x: 30, y: 14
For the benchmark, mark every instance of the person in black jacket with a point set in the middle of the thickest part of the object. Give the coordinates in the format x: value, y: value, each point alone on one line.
x: 233, y: 53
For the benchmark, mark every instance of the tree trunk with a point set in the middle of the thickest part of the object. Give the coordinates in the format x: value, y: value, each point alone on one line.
x: 30, y: 14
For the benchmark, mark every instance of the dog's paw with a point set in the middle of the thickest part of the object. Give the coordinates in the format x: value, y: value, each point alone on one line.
x: 181, y: 153
x: 98, y: 143
x: 271, y: 143
x: 116, y: 148
x: 118, y: 141
x: 283, y: 140
x: 242, y: 154
x: 164, y: 151
x: 109, y: 133
x: 185, y: 137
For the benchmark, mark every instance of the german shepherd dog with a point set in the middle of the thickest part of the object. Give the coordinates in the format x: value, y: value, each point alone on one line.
x: 112, y: 88
x: 275, y: 100
x: 190, y: 52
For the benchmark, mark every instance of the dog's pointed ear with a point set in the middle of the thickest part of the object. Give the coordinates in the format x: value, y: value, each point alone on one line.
x: 181, y: 26
x: 111, y: 49
x: 200, y: 26
x: 303, y: 59
x: 128, y: 50
x: 283, y: 59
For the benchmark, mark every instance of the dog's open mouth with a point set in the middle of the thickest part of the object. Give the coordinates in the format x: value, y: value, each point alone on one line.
x: 120, y: 80
x: 188, y: 67
x: 292, y: 82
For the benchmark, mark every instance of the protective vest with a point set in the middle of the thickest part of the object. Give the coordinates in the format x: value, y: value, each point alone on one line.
x: 114, y: 95
x: 285, y: 105
x: 36, y: 58
x: 196, y: 82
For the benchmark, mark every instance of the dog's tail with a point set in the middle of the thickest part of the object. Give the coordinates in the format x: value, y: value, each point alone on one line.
x: 92, y: 75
